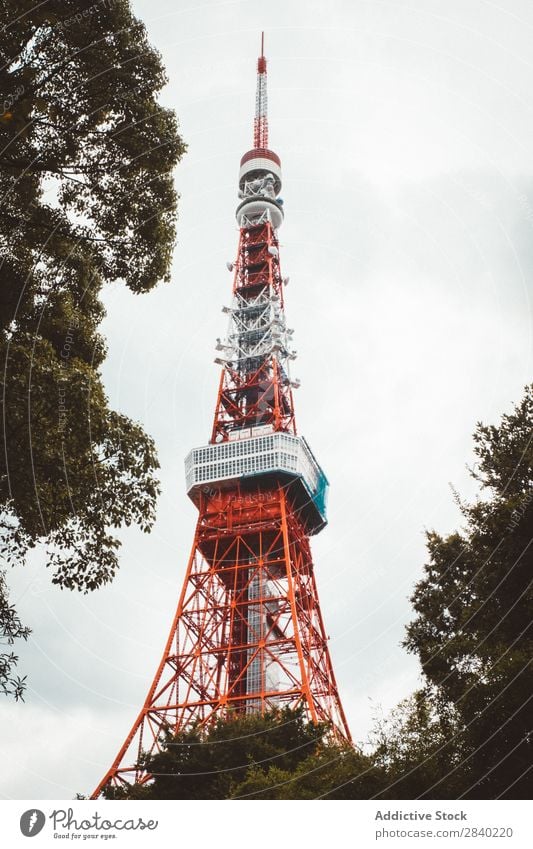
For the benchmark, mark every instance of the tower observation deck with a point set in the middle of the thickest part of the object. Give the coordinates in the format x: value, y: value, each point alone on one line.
x: 248, y: 633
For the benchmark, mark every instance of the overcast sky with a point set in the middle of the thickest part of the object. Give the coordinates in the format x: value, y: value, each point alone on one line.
x: 404, y: 130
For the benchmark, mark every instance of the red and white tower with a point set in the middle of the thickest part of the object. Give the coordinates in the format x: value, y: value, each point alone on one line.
x: 248, y: 633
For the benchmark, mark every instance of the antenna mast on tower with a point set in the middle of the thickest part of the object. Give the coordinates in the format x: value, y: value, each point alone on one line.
x: 261, y: 101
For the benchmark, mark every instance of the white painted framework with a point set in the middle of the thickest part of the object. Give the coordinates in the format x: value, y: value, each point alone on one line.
x: 257, y: 329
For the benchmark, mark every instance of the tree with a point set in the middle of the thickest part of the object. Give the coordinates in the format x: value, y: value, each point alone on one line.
x: 276, y: 756
x: 420, y: 749
x: 330, y: 771
x: 207, y: 763
x: 473, y: 629
x: 11, y: 629
x: 86, y: 159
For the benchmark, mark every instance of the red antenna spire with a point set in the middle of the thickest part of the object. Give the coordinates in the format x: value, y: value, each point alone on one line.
x: 261, y: 101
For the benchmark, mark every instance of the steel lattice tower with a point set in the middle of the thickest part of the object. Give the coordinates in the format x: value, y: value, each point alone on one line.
x: 248, y: 633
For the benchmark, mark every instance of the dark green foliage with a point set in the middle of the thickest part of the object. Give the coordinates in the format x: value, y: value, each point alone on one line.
x: 87, y: 198
x: 276, y: 756
x: 420, y: 749
x: 330, y: 772
x: 11, y: 629
x: 474, y: 626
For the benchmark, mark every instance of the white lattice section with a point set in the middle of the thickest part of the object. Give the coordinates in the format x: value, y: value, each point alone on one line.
x: 256, y: 330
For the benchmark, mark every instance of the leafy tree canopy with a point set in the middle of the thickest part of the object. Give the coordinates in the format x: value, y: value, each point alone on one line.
x: 86, y: 160
x: 473, y: 630
x: 275, y: 756
x: 420, y: 749
x: 11, y: 629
